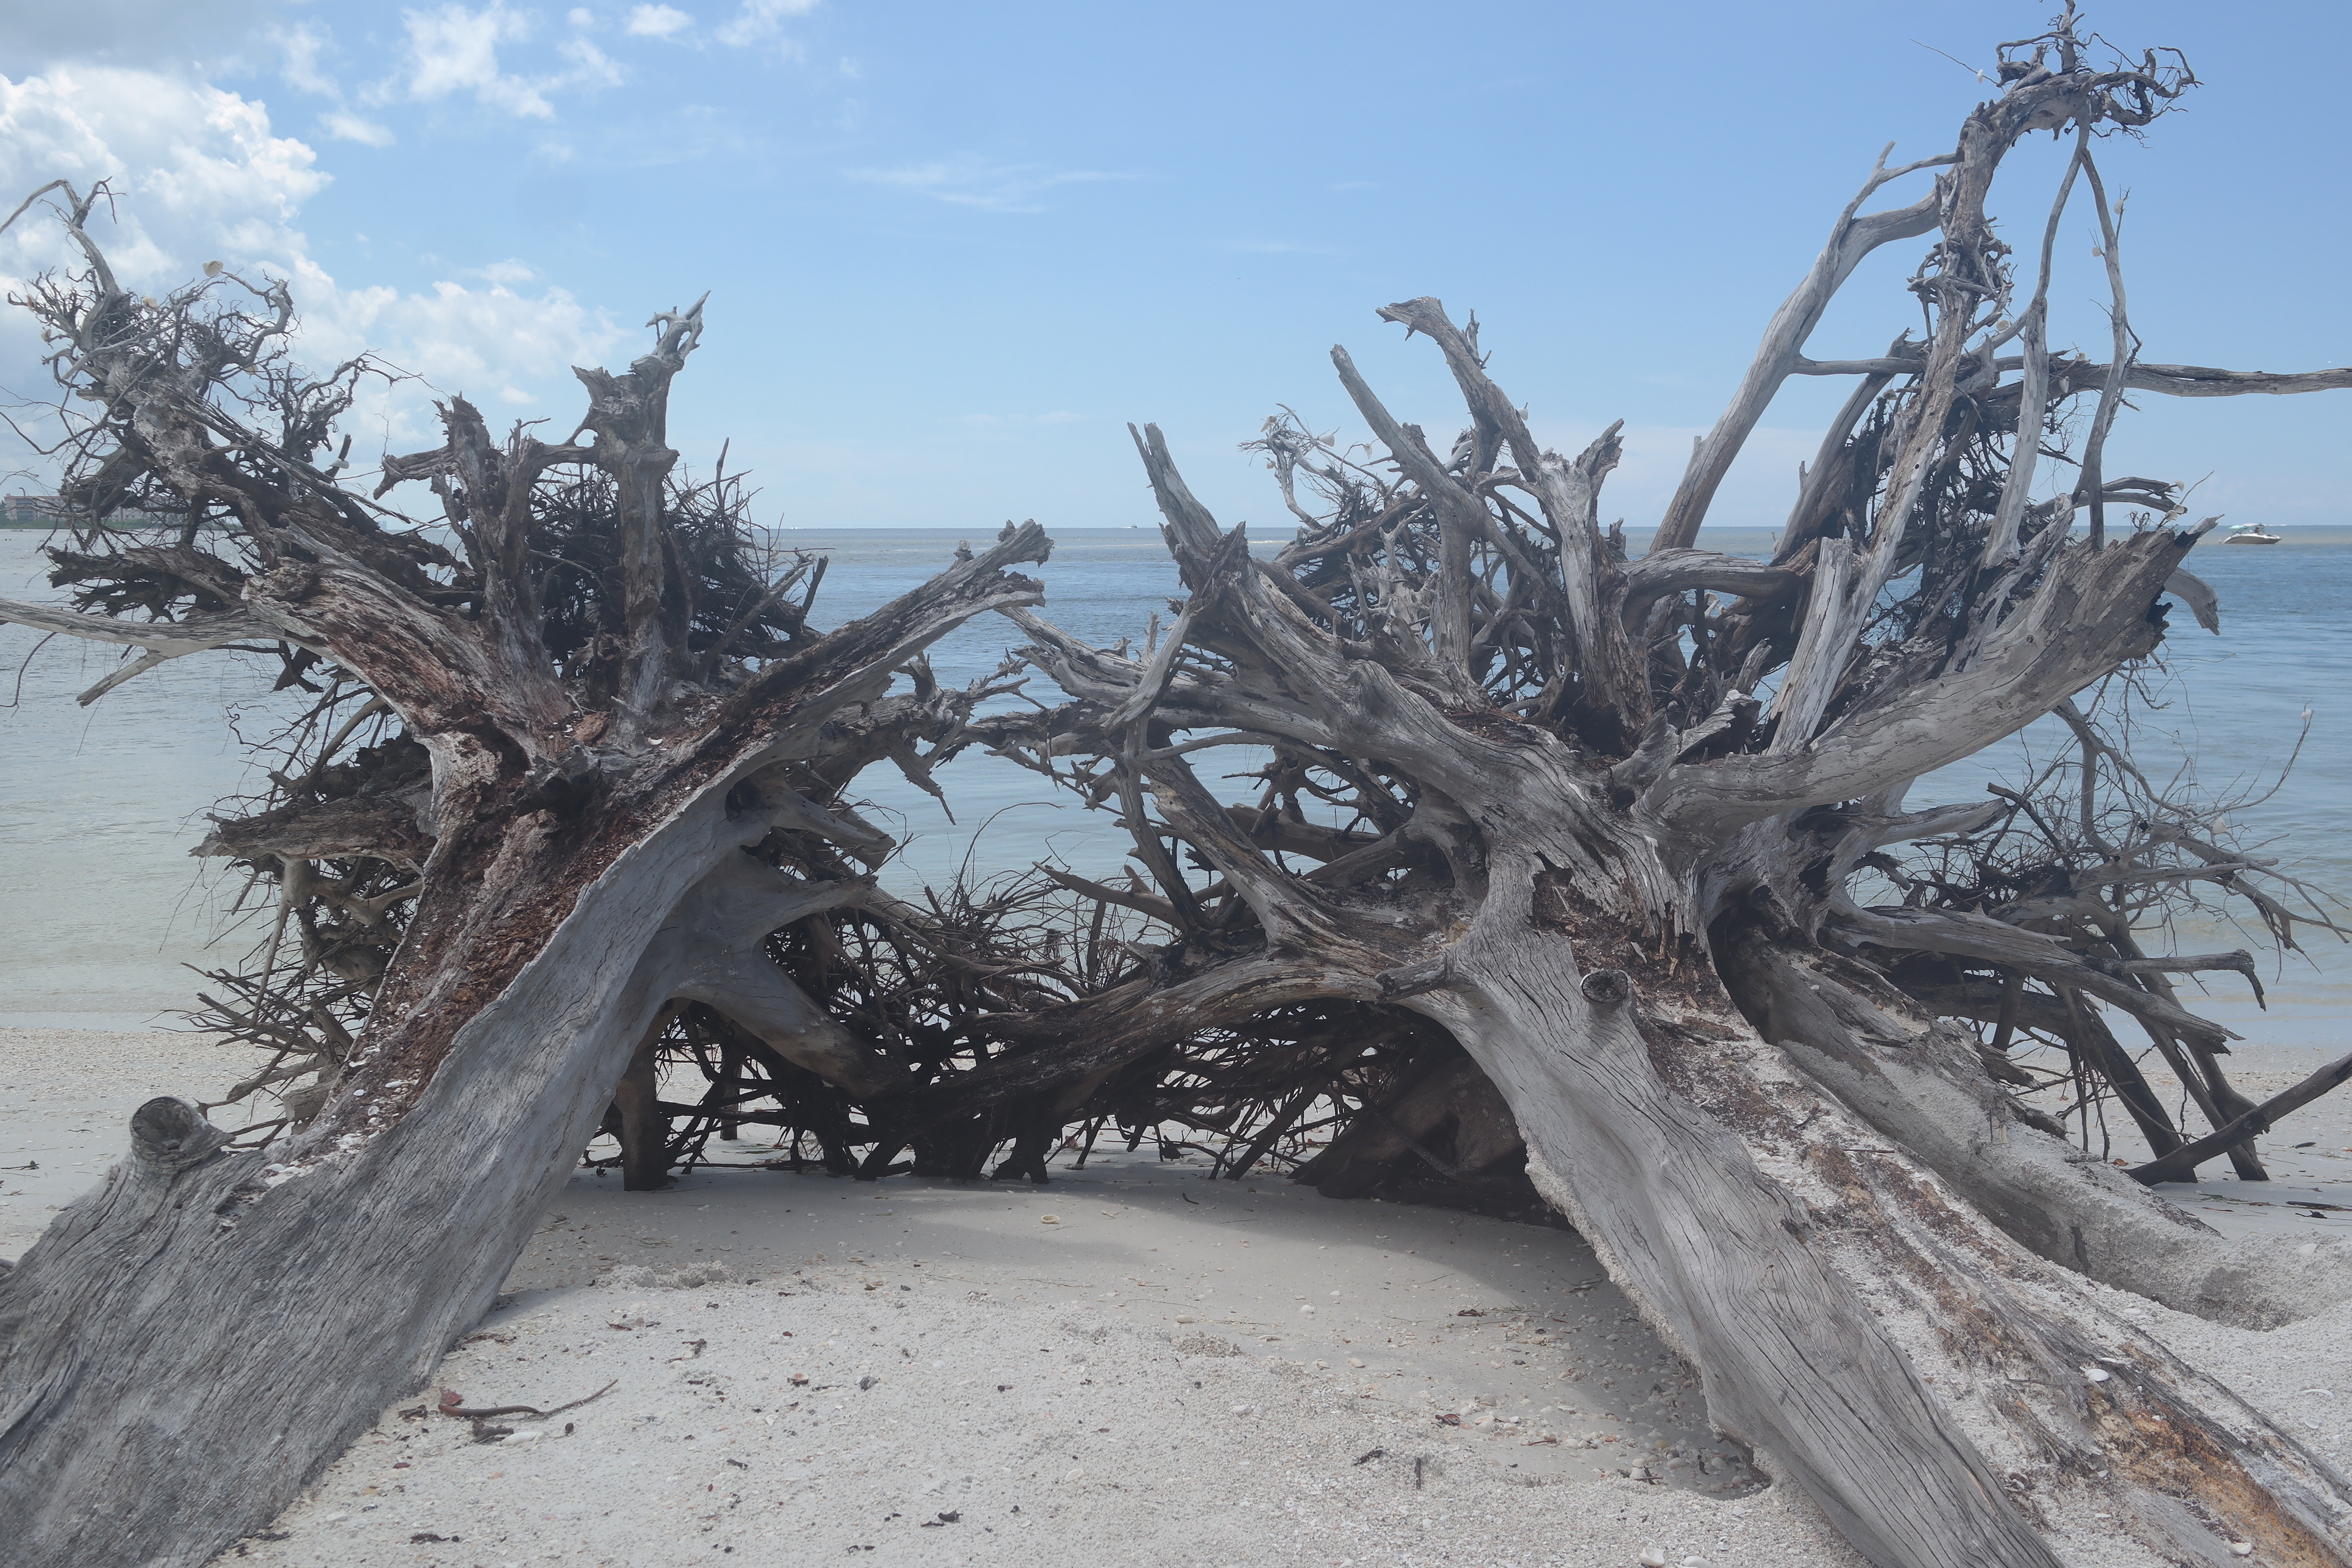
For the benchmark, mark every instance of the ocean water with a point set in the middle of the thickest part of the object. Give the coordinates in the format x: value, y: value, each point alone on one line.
x: 102, y: 911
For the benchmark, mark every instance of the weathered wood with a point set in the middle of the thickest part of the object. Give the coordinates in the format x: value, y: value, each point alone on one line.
x: 1885, y: 1268
x: 1626, y: 1111
x: 140, y: 1311
x: 644, y: 1129
x: 2180, y: 1163
x: 1559, y: 831
x: 584, y: 868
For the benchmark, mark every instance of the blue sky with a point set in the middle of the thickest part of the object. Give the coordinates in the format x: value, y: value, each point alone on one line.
x: 952, y: 249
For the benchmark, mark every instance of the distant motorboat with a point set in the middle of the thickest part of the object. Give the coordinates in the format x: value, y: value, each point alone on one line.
x: 2251, y: 533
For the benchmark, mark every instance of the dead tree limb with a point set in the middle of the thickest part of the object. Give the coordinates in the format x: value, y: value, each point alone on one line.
x: 1632, y: 896
x: 2180, y: 1163
x: 595, y: 780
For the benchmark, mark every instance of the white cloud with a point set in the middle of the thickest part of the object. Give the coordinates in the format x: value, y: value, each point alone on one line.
x: 965, y: 180
x: 197, y: 170
x: 302, y: 46
x: 201, y: 174
x: 580, y: 16
x: 305, y: 48
x: 657, y: 21
x: 454, y: 49
x: 591, y: 67
x: 345, y: 126
x: 481, y: 342
x: 761, y: 20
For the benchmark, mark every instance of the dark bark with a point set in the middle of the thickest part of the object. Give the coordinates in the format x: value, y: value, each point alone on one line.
x: 2180, y: 1163
x: 644, y: 1125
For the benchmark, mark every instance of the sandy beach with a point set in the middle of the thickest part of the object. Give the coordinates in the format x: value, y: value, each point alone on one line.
x: 1135, y: 1360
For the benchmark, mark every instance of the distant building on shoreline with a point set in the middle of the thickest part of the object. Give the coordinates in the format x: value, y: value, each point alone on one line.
x: 47, y: 511
x: 28, y: 511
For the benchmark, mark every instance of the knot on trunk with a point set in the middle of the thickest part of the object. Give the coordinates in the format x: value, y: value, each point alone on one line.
x: 563, y: 783
x: 168, y: 1134
x: 1413, y: 979
x: 1608, y: 987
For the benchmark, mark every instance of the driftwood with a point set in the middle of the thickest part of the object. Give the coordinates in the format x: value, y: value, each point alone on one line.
x: 1565, y: 862
x: 1614, y: 824
x: 2181, y: 1162
x: 603, y: 746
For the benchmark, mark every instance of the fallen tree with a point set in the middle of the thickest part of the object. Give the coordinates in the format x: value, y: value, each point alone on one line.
x: 1612, y: 824
x: 590, y: 742
x: 1578, y: 847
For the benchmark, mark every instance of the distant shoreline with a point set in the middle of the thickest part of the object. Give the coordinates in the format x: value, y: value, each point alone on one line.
x: 53, y: 526
x: 837, y: 530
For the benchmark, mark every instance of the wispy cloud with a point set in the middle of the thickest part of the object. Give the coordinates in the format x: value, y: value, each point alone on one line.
x: 502, y: 273
x: 306, y: 49
x: 302, y: 48
x: 344, y: 126
x: 657, y: 21
x: 761, y: 21
x: 591, y: 67
x: 969, y: 180
x: 455, y: 50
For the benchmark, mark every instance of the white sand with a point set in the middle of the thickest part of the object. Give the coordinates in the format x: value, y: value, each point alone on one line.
x: 1138, y: 1379
x: 2308, y: 1156
x: 65, y: 1100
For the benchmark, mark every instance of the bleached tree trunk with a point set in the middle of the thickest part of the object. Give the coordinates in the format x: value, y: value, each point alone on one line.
x: 189, y: 1343
x: 1607, y: 827
x: 259, y: 1309
x: 1887, y: 1277
x: 1580, y: 835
